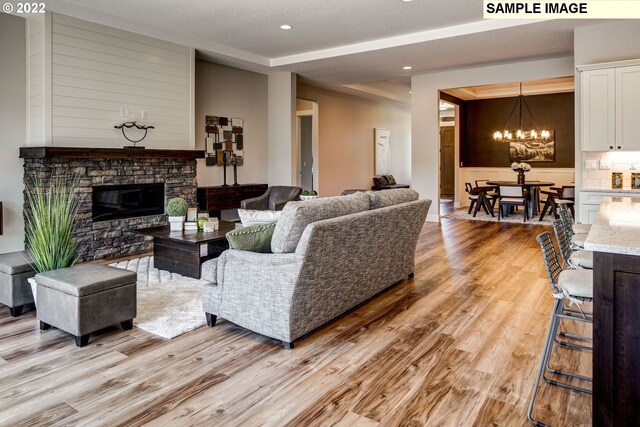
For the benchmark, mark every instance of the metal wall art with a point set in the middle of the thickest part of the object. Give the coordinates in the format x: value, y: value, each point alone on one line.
x: 224, y: 141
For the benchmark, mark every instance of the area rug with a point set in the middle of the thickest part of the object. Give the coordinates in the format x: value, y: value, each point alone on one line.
x: 511, y: 219
x: 168, y: 304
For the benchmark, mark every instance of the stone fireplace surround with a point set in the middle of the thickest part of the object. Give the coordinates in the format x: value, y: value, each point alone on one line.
x: 111, y: 166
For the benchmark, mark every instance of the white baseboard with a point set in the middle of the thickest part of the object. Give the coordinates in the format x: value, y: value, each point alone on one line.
x: 433, y: 218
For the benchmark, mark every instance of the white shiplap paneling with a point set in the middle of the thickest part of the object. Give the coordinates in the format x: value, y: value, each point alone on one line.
x: 97, y: 70
x: 35, y: 79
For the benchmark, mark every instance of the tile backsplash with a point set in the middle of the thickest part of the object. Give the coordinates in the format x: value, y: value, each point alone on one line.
x: 618, y: 161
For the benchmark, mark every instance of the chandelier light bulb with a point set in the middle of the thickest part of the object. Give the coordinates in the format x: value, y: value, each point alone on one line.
x: 534, y: 134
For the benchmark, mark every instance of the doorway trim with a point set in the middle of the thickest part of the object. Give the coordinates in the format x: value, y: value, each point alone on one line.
x: 315, y: 135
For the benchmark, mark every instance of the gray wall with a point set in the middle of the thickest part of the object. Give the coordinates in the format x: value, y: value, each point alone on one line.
x: 13, y: 124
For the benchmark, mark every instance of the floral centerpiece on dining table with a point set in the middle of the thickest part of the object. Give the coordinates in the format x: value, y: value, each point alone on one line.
x: 521, y: 168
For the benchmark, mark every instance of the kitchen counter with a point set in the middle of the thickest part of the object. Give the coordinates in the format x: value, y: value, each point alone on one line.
x: 611, y: 190
x: 616, y: 228
x: 614, y: 239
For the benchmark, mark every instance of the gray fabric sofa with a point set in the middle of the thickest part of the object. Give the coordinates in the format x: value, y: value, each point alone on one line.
x: 329, y: 255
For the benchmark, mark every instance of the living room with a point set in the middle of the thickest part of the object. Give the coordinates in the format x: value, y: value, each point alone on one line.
x: 472, y: 303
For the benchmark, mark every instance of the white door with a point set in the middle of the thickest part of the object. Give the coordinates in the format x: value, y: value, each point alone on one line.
x: 598, y: 110
x: 628, y: 108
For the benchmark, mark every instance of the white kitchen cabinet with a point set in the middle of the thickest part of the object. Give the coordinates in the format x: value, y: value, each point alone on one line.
x: 610, y: 106
x: 598, y: 109
x: 628, y: 108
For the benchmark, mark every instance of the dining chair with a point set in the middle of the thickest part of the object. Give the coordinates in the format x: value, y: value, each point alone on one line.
x: 557, y: 196
x: 477, y: 200
x: 575, y: 286
x: 490, y: 195
x: 512, y: 195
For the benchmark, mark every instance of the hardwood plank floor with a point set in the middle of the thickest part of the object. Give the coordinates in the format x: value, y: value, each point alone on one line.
x: 457, y: 345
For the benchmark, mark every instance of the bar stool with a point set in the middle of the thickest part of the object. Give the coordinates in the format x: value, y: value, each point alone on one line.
x: 577, y: 240
x: 575, y: 286
x: 571, y: 258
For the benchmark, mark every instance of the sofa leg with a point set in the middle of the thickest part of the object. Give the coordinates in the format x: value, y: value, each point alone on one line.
x: 82, y: 340
x: 287, y: 345
x: 211, y: 319
x: 412, y: 275
x: 127, y: 324
x: 44, y: 326
x: 16, y: 311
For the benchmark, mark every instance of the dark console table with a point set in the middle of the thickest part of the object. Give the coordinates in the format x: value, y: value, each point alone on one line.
x: 215, y: 199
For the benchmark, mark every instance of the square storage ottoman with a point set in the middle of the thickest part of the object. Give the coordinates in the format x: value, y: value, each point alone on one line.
x: 86, y: 298
x: 15, y: 291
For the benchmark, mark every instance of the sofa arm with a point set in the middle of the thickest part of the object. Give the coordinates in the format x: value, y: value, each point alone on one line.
x: 257, y: 203
x: 257, y: 270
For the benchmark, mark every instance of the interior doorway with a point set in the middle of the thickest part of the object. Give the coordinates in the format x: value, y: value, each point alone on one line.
x: 307, y: 131
x: 448, y: 138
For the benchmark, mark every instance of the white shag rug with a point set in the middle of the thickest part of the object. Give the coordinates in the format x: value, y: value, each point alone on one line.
x: 514, y: 218
x: 169, y: 304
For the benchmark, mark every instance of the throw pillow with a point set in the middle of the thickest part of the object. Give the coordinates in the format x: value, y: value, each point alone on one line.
x: 255, y: 238
x: 381, y: 181
x: 250, y: 217
x: 391, y: 179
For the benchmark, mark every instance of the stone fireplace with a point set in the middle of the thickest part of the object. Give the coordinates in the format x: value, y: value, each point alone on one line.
x: 130, y: 169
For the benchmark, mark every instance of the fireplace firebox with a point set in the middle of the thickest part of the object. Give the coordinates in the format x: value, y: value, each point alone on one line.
x: 111, y: 202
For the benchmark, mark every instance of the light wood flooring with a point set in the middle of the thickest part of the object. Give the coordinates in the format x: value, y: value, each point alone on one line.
x: 457, y: 345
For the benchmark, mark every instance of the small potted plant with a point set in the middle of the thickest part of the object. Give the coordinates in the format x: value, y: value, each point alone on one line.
x: 177, y: 210
x: 308, y: 195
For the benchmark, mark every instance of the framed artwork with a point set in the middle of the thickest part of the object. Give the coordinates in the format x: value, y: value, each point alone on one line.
x: 224, y: 139
x: 530, y: 149
x: 382, y: 152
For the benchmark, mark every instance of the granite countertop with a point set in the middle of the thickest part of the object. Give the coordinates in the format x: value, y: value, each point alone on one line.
x: 616, y: 229
x: 611, y: 190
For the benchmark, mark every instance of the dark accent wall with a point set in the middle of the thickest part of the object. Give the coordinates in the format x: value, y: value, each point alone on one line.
x: 483, y: 117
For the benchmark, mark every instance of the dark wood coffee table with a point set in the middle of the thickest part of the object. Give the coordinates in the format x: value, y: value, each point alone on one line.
x: 183, y: 252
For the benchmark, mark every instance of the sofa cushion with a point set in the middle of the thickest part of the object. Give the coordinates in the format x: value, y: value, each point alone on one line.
x: 297, y: 215
x: 254, y: 217
x: 384, y: 198
x: 255, y: 238
x: 15, y: 263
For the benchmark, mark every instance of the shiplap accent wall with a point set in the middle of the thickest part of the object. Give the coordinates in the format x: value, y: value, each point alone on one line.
x: 96, y: 71
x: 36, y: 79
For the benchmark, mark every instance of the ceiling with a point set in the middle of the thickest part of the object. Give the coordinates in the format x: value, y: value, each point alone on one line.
x: 335, y: 42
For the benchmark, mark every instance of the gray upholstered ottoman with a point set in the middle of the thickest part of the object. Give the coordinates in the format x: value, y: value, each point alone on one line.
x: 15, y: 291
x: 86, y: 298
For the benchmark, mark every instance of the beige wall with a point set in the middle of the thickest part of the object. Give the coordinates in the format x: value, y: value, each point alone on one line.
x: 13, y: 109
x: 226, y: 91
x: 346, y: 149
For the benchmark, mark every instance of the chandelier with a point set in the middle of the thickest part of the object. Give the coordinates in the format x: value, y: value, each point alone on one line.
x: 521, y: 134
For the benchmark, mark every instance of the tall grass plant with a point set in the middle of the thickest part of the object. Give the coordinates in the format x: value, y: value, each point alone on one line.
x: 50, y: 222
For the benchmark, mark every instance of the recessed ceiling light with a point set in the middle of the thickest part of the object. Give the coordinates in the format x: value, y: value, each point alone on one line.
x: 407, y: 0
x: 407, y: 67
x: 286, y: 27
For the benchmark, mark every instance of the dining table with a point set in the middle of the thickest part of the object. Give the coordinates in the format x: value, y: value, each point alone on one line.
x: 532, y: 189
